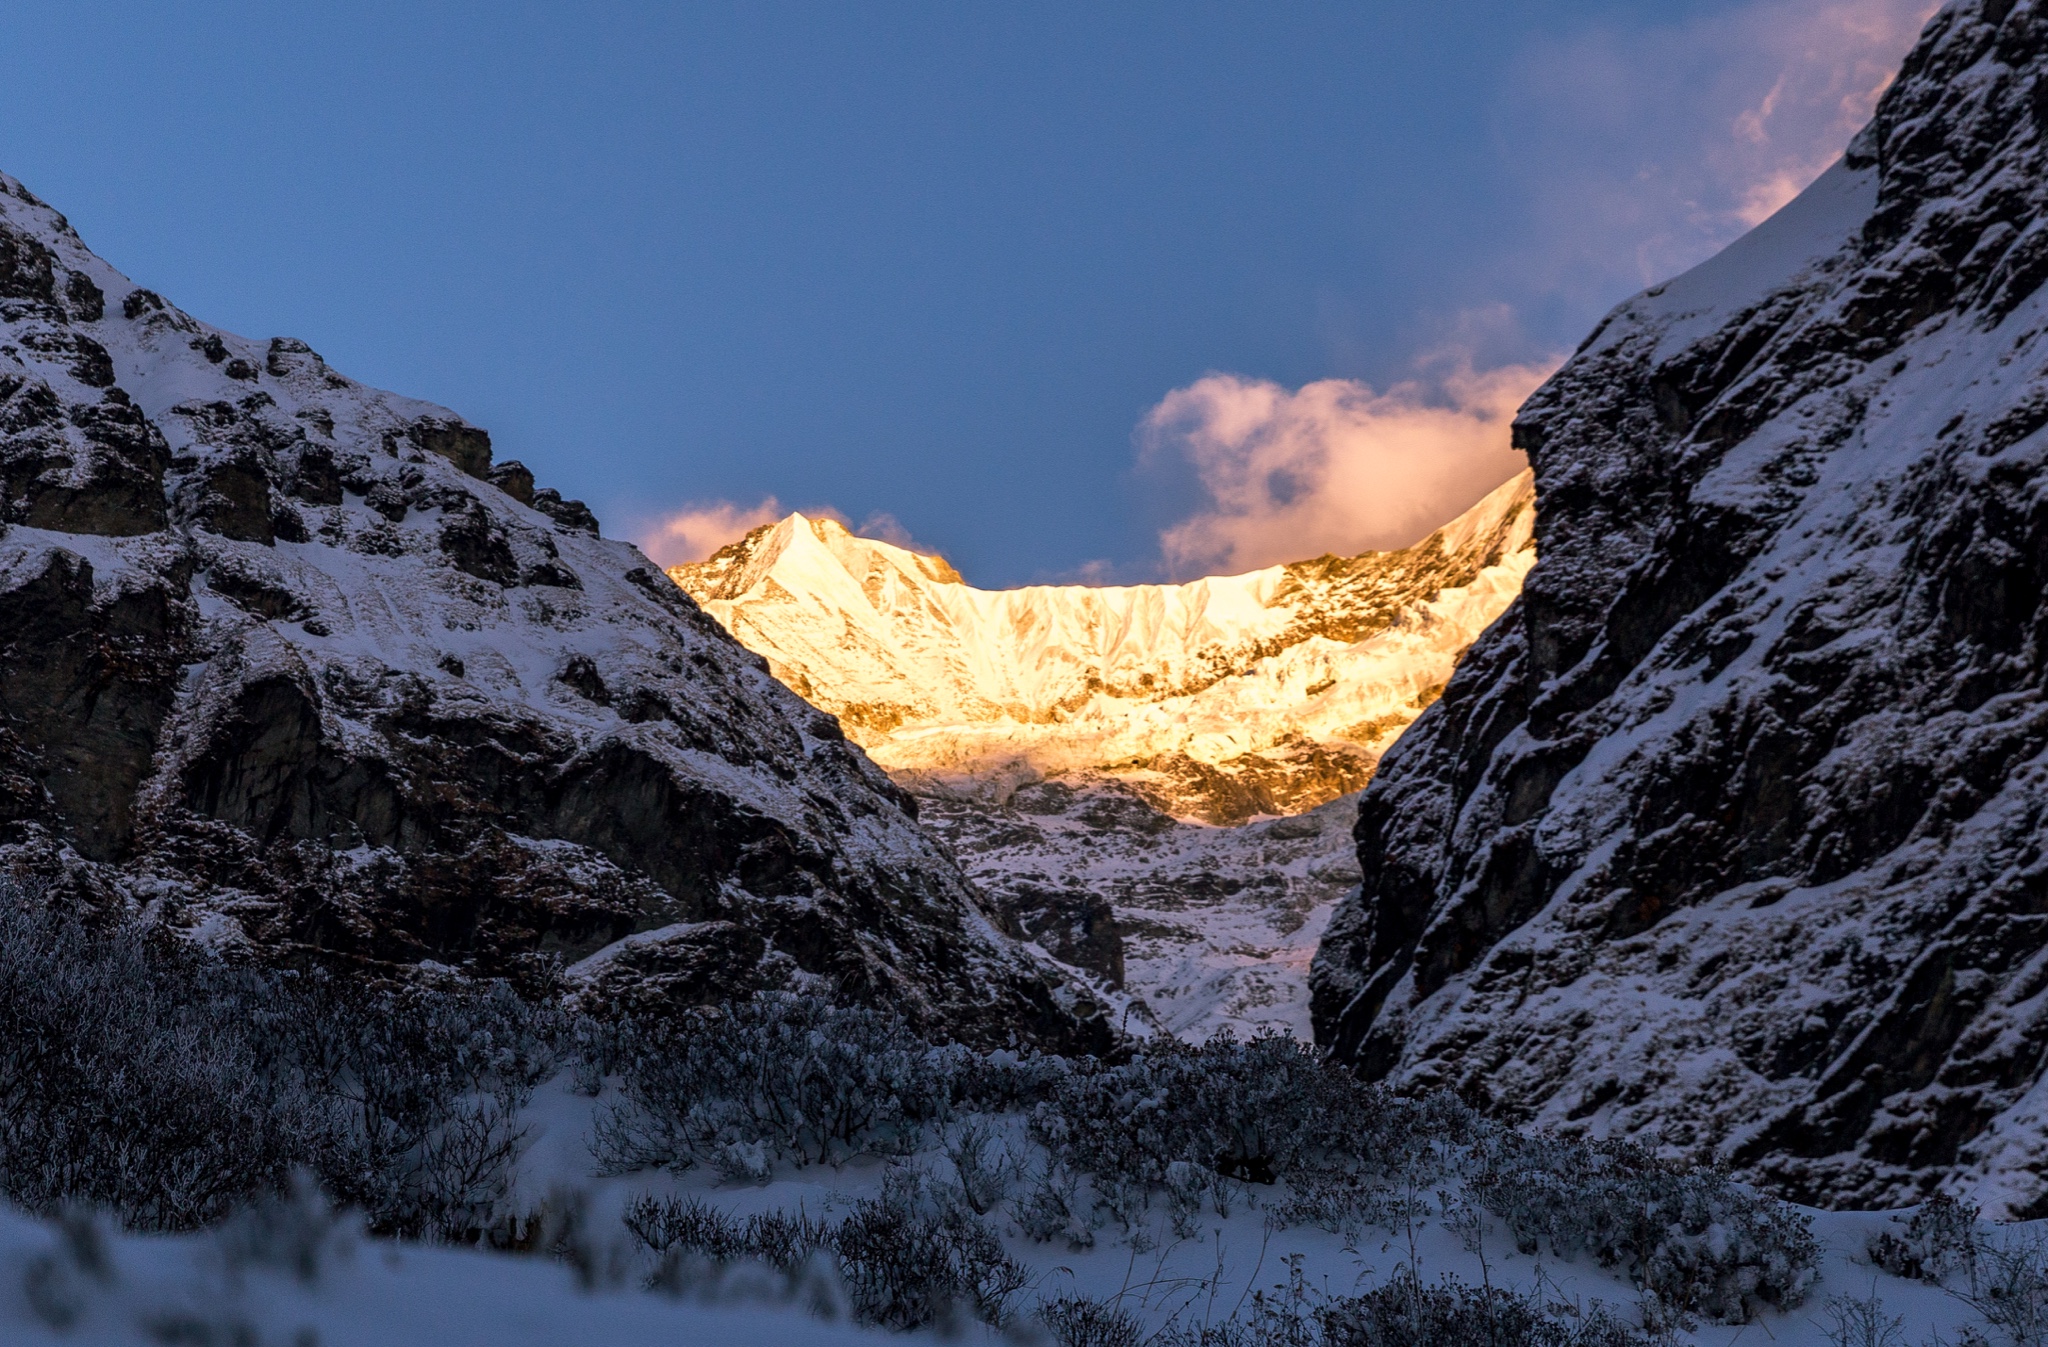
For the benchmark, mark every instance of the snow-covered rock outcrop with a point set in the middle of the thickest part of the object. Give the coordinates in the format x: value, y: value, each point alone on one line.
x: 1220, y: 699
x: 1731, y: 835
x: 293, y: 664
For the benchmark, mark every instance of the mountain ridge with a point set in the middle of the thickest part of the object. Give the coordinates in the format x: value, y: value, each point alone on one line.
x: 293, y: 666
x: 1727, y: 836
x: 1224, y: 698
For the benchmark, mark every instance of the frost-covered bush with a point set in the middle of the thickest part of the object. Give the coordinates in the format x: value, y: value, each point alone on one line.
x: 1079, y: 1321
x: 1049, y: 1209
x: 1408, y: 1312
x: 136, y: 1087
x: 1692, y: 1237
x: 780, y: 1077
x: 1942, y: 1238
x: 911, y: 1256
x: 160, y: 1084
x: 1190, y: 1122
x: 1250, y: 1111
x: 430, y: 1085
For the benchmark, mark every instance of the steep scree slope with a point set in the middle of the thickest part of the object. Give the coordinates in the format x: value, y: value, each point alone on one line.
x: 1731, y: 835
x: 292, y: 663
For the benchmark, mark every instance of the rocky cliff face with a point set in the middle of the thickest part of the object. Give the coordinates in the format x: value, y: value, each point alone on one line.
x: 293, y: 665
x: 1730, y: 836
x: 1218, y: 700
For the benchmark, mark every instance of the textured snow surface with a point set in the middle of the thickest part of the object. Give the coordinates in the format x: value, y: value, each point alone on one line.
x: 1729, y: 836
x: 372, y: 1293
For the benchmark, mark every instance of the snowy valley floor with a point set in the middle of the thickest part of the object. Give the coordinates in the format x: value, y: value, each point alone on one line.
x: 723, y: 1174
x: 301, y: 1277
x: 1217, y: 924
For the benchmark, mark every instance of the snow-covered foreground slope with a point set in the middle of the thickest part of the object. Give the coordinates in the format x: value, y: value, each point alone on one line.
x: 291, y: 664
x: 297, y: 1275
x: 1222, y: 699
x: 1730, y: 835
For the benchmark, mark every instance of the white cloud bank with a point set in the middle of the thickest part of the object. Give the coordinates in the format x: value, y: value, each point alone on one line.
x: 1334, y: 466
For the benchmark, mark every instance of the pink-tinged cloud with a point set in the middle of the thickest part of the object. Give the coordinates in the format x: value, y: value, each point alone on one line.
x: 701, y: 528
x: 697, y: 530
x: 1334, y: 466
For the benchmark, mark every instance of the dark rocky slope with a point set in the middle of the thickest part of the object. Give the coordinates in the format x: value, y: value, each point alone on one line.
x: 1730, y: 835
x: 292, y: 665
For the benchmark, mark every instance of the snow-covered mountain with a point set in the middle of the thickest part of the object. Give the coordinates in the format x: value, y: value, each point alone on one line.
x: 1077, y: 746
x: 1731, y: 835
x: 293, y: 665
x: 1220, y: 699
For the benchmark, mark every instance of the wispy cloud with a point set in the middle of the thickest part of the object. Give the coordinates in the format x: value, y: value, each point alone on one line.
x: 1643, y: 149
x: 1640, y: 149
x: 1634, y: 149
x: 699, y: 529
x: 1334, y: 466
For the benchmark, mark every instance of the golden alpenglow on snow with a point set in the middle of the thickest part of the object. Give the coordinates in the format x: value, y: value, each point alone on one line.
x: 1153, y: 782
x: 1219, y: 700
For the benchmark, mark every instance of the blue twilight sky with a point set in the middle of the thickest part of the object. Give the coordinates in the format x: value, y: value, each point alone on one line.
x: 942, y: 261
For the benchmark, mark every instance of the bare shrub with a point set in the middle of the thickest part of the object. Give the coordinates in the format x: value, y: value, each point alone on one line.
x: 982, y: 1162
x: 1405, y: 1311
x: 1941, y: 1239
x: 1692, y: 1237
x: 1861, y: 1322
x: 915, y: 1252
x: 780, y: 1077
x: 910, y: 1257
x: 2009, y: 1286
x: 1079, y: 1321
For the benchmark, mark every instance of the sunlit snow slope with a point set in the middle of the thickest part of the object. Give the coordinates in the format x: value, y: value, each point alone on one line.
x: 1219, y: 700
x: 1076, y: 746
